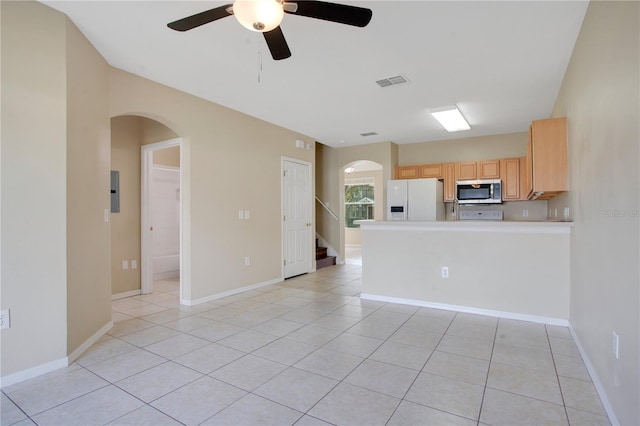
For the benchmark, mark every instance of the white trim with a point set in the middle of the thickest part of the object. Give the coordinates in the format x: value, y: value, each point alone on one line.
x: 230, y: 292
x: 468, y: 309
x: 166, y: 167
x: 124, y: 294
x: 594, y: 378
x: 87, y: 343
x: 30, y: 373
x: 470, y: 226
x: 166, y: 275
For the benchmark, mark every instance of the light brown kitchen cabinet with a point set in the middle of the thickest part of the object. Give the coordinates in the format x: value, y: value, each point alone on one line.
x: 546, y: 161
x: 489, y: 169
x: 510, y: 176
x: 467, y: 170
x: 524, y: 194
x: 449, y: 175
x: 407, y: 172
x: 431, y: 171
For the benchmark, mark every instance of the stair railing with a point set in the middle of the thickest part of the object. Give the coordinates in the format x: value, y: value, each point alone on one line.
x: 326, y: 207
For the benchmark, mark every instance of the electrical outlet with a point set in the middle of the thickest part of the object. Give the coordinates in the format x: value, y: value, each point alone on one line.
x: 525, y: 213
x: 616, y: 345
x: 566, y: 212
x: 5, y: 319
x: 445, y: 272
x: 555, y: 212
x: 246, y: 214
x: 241, y: 214
x: 125, y: 264
x: 247, y: 261
x: 134, y: 264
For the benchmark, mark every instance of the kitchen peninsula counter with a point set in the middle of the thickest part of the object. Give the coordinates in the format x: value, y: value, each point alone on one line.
x: 508, y: 269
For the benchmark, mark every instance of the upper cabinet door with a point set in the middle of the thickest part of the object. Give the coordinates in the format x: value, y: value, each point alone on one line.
x: 449, y: 174
x: 510, y: 168
x: 431, y: 171
x: 407, y: 172
x: 489, y: 169
x: 466, y: 170
x: 546, y: 161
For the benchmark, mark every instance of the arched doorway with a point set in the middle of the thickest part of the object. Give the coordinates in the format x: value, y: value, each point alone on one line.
x: 362, y: 188
x: 133, y: 138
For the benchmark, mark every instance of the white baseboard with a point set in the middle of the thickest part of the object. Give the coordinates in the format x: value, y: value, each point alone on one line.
x: 48, y: 367
x: 166, y: 275
x: 469, y: 310
x: 88, y: 343
x: 125, y: 294
x: 229, y: 292
x: 32, y: 372
x: 594, y: 378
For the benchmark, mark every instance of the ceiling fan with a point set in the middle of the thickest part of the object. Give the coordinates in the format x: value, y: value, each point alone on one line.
x: 265, y: 16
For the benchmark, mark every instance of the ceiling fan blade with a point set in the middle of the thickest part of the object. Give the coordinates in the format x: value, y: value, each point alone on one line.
x: 277, y: 44
x: 334, y: 12
x: 193, y: 21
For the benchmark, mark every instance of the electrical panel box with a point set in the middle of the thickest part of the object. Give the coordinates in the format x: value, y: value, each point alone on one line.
x: 115, y: 191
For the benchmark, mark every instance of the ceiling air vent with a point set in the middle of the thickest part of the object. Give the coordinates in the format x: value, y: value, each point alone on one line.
x: 390, y: 81
x: 368, y: 134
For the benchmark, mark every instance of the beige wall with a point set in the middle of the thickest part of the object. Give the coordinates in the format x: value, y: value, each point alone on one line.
x: 34, y: 187
x: 153, y: 131
x: 167, y: 157
x: 126, y: 134
x: 230, y: 161
x: 600, y: 98
x: 466, y: 149
x: 88, y: 184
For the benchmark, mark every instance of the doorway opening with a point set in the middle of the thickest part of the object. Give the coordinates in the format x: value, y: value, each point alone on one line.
x: 161, y: 215
x: 297, y: 201
x: 362, y: 195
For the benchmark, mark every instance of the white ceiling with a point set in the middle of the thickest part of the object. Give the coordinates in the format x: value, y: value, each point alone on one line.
x: 501, y: 62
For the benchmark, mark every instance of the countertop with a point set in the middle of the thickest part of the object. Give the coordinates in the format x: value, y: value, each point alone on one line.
x: 546, y: 227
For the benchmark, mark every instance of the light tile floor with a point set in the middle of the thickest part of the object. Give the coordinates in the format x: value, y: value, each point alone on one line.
x: 308, y: 351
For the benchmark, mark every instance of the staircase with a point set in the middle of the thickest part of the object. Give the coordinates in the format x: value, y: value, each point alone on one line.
x: 322, y: 260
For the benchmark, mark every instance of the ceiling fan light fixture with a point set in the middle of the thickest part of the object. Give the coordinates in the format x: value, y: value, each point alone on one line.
x: 450, y: 118
x: 258, y: 15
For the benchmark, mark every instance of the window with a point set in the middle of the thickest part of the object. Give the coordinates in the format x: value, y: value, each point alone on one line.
x: 359, y: 200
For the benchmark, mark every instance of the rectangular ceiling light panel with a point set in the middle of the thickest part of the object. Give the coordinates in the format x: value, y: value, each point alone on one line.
x: 450, y: 118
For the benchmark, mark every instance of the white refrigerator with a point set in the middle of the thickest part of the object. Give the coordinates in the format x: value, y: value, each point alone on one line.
x: 415, y: 200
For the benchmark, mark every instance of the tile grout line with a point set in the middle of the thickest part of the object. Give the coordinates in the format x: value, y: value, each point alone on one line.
x: 423, y: 365
x: 486, y: 382
x: 555, y: 369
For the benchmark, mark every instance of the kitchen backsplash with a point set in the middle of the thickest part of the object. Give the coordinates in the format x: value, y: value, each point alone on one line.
x: 512, y: 210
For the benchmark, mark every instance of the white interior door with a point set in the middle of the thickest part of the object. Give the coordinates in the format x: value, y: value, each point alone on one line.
x: 146, y: 219
x: 165, y: 220
x: 297, y: 217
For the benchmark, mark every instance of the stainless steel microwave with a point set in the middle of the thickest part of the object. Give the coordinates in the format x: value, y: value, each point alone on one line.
x: 487, y: 191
